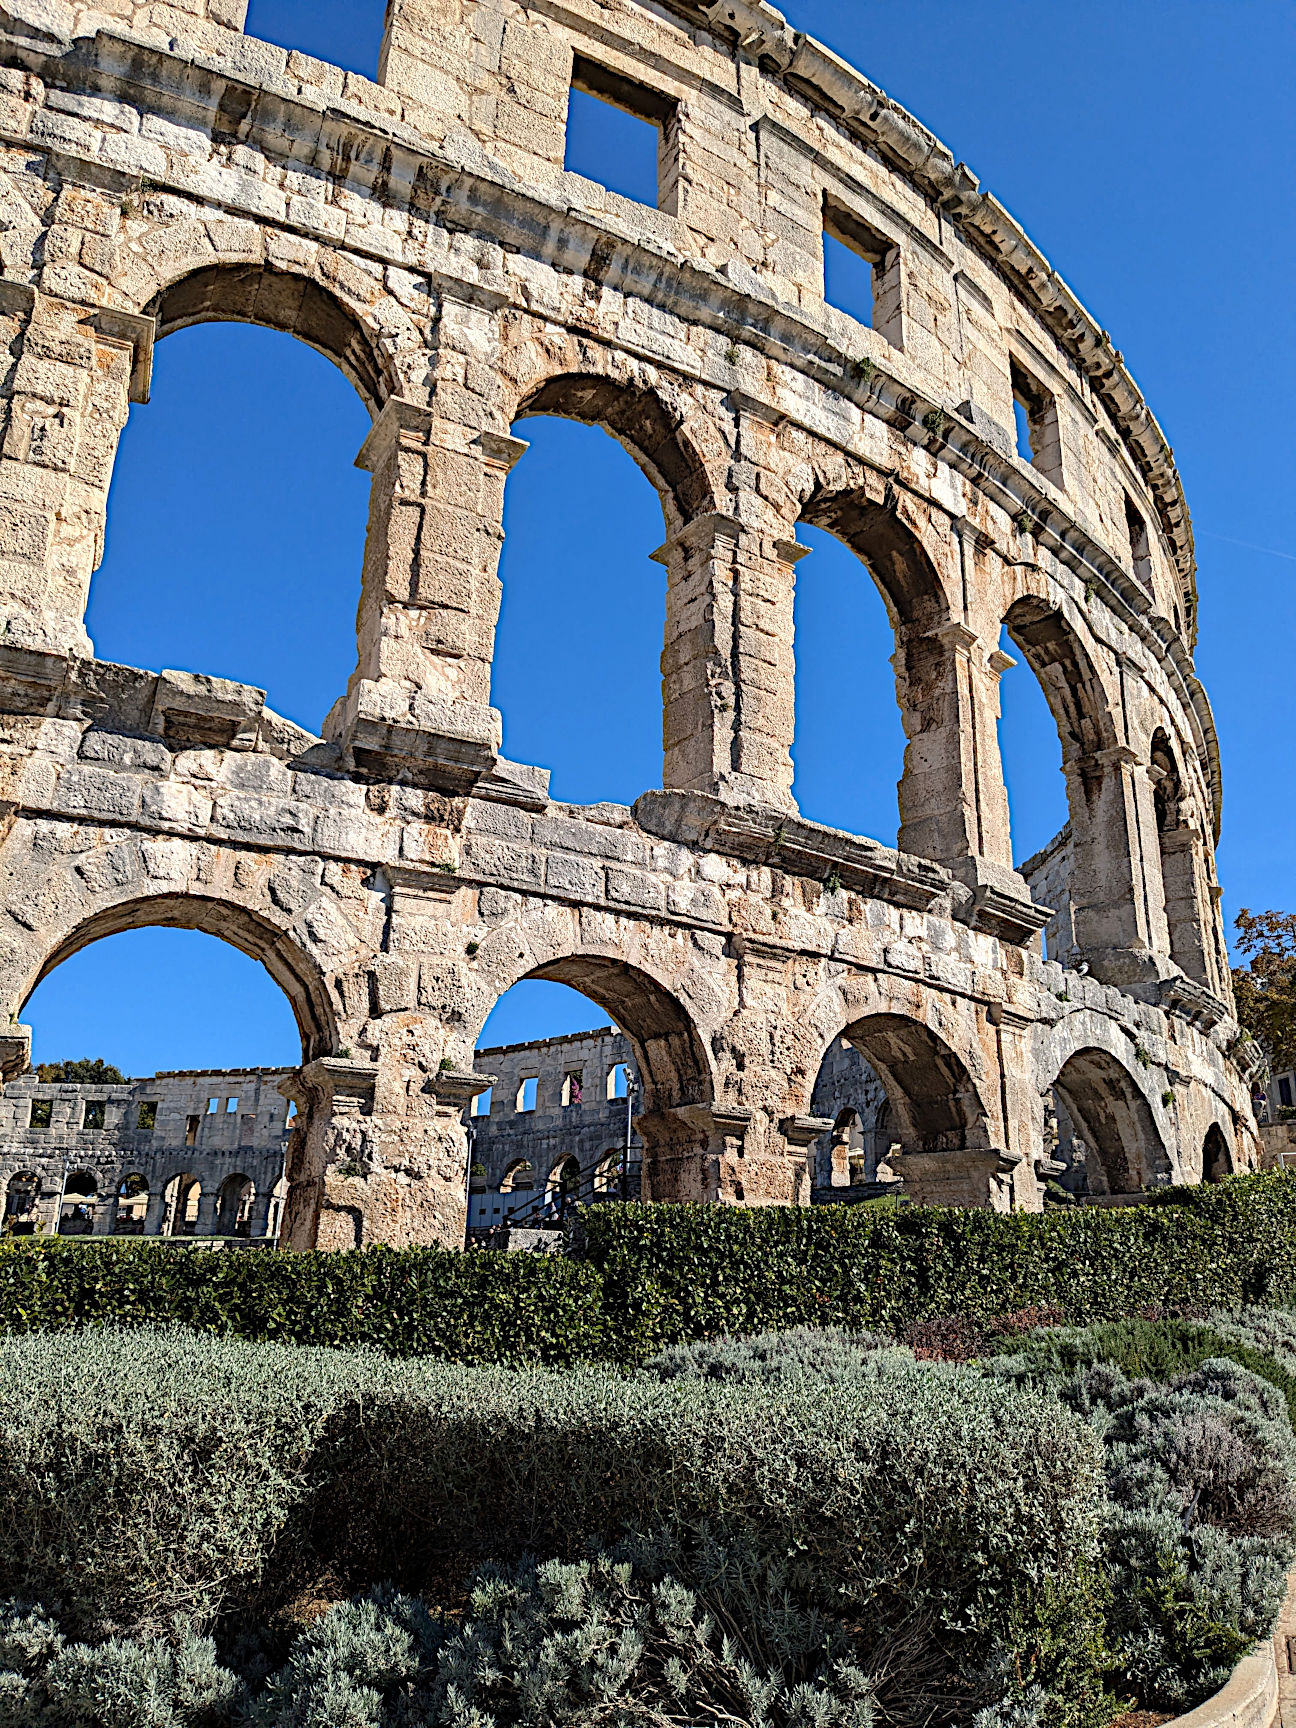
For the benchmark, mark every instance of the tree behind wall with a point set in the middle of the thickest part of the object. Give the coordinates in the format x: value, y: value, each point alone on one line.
x: 85, y: 1072
x: 1266, y: 987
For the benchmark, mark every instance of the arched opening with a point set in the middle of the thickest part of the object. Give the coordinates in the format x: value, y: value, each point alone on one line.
x: 1217, y: 1160
x: 236, y: 518
x: 564, y: 1185
x: 234, y: 1206
x: 1107, y: 1136
x: 78, y: 1206
x: 921, y: 1121
x: 577, y: 670
x: 1072, y: 869
x: 1178, y: 845
x: 1032, y: 764
x: 849, y: 742
x: 22, y: 1201
x: 633, y: 1085
x: 183, y: 1199
x: 132, y: 1205
x: 848, y: 1093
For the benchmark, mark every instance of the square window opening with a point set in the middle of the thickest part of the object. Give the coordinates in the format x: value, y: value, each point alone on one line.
x: 526, y: 1096
x: 42, y: 1112
x: 861, y: 271
x: 1035, y: 415
x: 621, y: 135
x: 95, y: 1111
x: 481, y: 1104
x: 147, y: 1118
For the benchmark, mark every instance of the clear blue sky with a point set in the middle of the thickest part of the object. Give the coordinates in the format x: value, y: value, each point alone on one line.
x: 1146, y: 145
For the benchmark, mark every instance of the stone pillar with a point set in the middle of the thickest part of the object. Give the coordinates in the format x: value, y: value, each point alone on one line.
x: 104, y: 1222
x: 728, y: 673
x: 429, y: 599
x: 1111, y: 904
x: 259, y: 1221
x: 953, y: 802
x: 966, y: 1177
x: 155, y: 1216
x: 208, y: 1212
x: 1189, y: 907
x: 77, y: 369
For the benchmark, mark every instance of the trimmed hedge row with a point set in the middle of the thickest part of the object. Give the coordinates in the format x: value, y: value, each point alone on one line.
x: 646, y: 1277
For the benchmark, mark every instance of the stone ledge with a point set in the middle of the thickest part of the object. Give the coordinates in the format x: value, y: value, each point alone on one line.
x: 782, y: 842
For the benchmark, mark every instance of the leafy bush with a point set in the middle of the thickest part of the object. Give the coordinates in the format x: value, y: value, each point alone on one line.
x: 675, y: 1273
x: 474, y: 1307
x: 164, y: 1476
x: 649, y: 1277
x: 1201, y: 1482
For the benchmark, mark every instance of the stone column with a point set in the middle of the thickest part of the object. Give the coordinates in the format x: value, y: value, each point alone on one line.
x: 430, y: 590
x: 105, y: 1215
x: 208, y: 1212
x: 259, y: 1221
x: 77, y: 370
x: 728, y: 674
x: 155, y: 1216
x: 1188, y: 904
x: 1111, y: 905
x: 953, y: 802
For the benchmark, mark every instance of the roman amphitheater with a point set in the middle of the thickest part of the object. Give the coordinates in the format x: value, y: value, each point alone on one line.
x: 396, y: 876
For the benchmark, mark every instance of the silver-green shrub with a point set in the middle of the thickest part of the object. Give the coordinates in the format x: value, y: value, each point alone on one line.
x: 147, y: 1682
x: 829, y: 1353
x: 165, y: 1476
x: 1200, y: 1526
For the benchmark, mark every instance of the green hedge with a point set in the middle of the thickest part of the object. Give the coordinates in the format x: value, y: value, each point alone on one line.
x: 645, y: 1277
x: 520, y: 1308
x: 674, y: 1273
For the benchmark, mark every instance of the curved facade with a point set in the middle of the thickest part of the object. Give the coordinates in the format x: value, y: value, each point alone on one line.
x: 396, y: 876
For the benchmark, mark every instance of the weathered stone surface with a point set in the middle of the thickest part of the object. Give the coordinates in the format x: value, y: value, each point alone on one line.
x: 398, y: 875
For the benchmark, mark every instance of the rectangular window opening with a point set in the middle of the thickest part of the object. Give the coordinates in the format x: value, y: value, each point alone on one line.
x: 621, y: 135
x: 1139, y: 544
x: 526, y: 1097
x: 481, y: 1104
x: 1035, y: 413
x: 42, y: 1112
x: 94, y: 1113
x: 147, y: 1118
x: 572, y: 1088
x: 231, y: 1106
x: 861, y: 271
x: 1285, y: 1091
x: 618, y: 1081
x: 191, y: 1129
x: 213, y: 1106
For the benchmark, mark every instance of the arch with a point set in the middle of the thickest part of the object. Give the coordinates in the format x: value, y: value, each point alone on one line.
x: 607, y: 1175
x: 234, y: 1206
x: 669, y: 1055
x: 1180, y: 847
x: 1217, y: 1158
x: 889, y: 548
x: 519, y: 1177
x: 562, y: 1186
x: 78, y: 1207
x: 640, y: 421
x: 22, y: 1196
x: 1053, y: 650
x: 934, y: 1102
x: 132, y: 1205
x: 252, y: 292
x: 292, y: 968
x: 1105, y: 1109
x: 183, y: 1196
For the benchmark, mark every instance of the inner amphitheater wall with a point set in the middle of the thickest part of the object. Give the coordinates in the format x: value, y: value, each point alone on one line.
x: 159, y: 169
